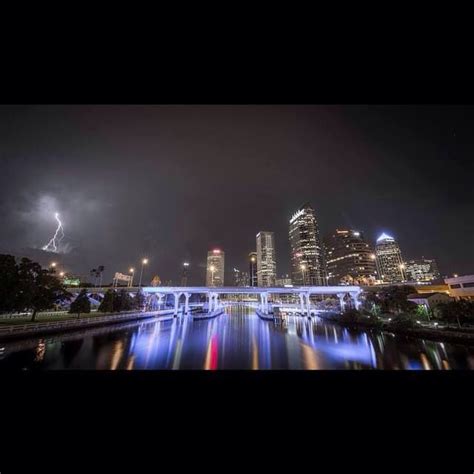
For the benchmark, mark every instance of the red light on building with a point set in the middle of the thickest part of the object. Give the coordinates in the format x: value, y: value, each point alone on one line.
x: 216, y: 251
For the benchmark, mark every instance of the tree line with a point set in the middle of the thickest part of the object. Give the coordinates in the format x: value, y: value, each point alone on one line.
x: 393, y: 301
x: 113, y: 302
x: 25, y: 286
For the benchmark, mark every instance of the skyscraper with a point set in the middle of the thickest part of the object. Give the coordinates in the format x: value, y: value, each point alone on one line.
x: 423, y: 269
x: 253, y: 269
x: 215, y: 268
x: 390, y: 267
x: 240, y: 278
x: 266, y: 259
x: 307, y: 256
x: 349, y: 258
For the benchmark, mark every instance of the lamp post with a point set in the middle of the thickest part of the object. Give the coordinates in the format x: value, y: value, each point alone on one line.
x: 402, y: 267
x: 212, y: 268
x: 132, y: 271
x: 303, y: 268
x: 144, y: 262
x: 184, y: 276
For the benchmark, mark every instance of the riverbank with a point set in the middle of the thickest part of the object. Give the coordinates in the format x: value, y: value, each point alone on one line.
x: 40, y: 328
x: 461, y: 336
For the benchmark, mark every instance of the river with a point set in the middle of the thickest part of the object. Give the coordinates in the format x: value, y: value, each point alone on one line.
x: 237, y: 339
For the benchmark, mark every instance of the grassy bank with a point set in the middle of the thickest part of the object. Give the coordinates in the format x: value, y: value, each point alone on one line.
x: 403, y: 325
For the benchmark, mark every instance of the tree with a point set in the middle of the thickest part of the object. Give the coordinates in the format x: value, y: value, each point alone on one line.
x: 139, y: 300
x: 402, y: 321
x: 38, y: 289
x: 459, y: 312
x: 422, y: 312
x: 107, y: 304
x: 123, y: 302
x: 395, y: 299
x: 392, y: 299
x: 8, y: 283
x: 81, y: 304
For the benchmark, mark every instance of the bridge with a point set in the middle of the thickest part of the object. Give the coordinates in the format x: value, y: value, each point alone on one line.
x: 212, y: 294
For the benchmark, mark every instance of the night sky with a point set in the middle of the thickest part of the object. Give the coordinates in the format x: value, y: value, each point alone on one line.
x: 171, y: 182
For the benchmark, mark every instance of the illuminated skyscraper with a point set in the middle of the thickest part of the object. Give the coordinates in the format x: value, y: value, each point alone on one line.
x: 422, y: 270
x: 240, y: 278
x: 215, y: 268
x: 390, y: 267
x: 253, y: 269
x: 349, y: 259
x: 266, y: 259
x: 307, y: 256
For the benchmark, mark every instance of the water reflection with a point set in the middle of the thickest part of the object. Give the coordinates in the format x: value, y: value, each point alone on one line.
x: 235, y: 340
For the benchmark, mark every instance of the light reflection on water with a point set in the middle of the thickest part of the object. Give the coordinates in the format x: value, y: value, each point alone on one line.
x: 236, y: 340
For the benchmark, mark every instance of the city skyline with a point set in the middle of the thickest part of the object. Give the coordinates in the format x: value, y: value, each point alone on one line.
x: 170, y: 182
x: 183, y: 274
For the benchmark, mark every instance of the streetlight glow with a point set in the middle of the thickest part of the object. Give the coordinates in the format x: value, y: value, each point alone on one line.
x: 213, y: 269
x: 303, y: 268
x: 144, y: 262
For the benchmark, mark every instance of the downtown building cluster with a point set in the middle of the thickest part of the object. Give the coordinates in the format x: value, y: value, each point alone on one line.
x: 344, y: 257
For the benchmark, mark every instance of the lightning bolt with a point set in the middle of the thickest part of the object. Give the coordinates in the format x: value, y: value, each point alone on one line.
x: 53, y: 244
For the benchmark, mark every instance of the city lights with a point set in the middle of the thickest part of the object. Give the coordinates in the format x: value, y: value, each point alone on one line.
x: 385, y: 236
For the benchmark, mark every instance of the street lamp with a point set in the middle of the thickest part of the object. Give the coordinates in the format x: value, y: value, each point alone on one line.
x: 132, y: 271
x: 303, y: 268
x: 61, y: 274
x: 144, y: 262
x: 184, y: 275
x: 212, y: 268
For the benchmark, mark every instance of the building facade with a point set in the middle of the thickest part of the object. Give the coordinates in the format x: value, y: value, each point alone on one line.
x: 266, y: 259
x: 307, y: 253
x: 253, y: 269
x: 215, y: 268
x: 390, y: 266
x: 349, y: 259
x: 461, y: 287
x: 240, y: 278
x: 285, y: 280
x: 422, y: 270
